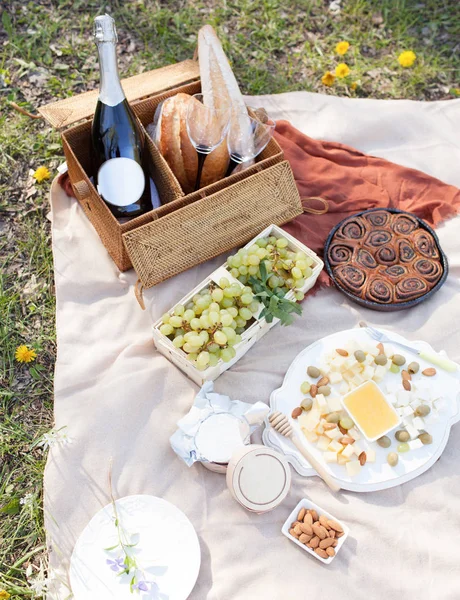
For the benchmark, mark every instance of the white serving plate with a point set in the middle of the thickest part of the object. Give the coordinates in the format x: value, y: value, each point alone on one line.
x: 167, y: 549
x: 374, y: 476
x: 305, y: 503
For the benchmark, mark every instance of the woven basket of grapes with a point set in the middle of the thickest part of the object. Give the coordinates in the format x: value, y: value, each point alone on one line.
x: 260, y: 285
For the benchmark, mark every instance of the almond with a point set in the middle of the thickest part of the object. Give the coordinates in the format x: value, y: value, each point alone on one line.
x: 341, y: 352
x: 313, y: 390
x: 339, y: 534
x: 381, y: 348
x: 336, y: 526
x: 342, y: 430
x: 326, y: 543
x: 406, y: 385
x: 308, y: 519
x: 294, y: 524
x: 301, y: 514
x: 306, y: 528
x: 362, y: 458
x: 298, y: 530
x: 323, y: 381
x: 322, y: 553
x: 293, y: 533
x: 296, y: 412
x: 406, y: 375
x: 320, y: 531
x: 429, y: 372
x: 346, y: 440
x: 330, y: 551
x: 323, y: 521
x: 314, y: 542
x: 335, y: 543
x: 332, y: 533
x: 328, y: 426
x: 314, y: 514
x: 304, y: 538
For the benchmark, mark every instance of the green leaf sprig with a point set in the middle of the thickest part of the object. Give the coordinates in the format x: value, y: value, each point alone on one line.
x: 274, y: 301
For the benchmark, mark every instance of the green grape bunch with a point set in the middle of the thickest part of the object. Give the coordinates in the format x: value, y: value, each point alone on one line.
x: 287, y: 269
x: 209, y: 326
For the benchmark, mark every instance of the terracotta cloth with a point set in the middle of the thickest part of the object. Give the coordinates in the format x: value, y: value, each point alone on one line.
x: 352, y: 181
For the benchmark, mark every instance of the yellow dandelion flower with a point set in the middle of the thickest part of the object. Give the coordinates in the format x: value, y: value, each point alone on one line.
x: 353, y: 86
x: 4, y: 595
x: 328, y: 78
x: 342, y: 48
x: 25, y: 355
x: 407, y: 58
x: 342, y: 70
x: 41, y: 174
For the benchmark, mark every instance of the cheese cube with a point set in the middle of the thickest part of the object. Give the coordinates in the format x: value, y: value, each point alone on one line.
x: 335, y: 377
x: 311, y: 420
x: 418, y: 423
x: 319, y: 429
x: 407, y: 411
x: 348, y: 375
x: 350, y: 362
x: 310, y: 435
x: 344, y: 388
x: 341, y: 459
x: 354, y: 433
x: 335, y: 446
x: 334, y: 403
x: 357, y: 380
x: 333, y: 433
x: 370, y: 454
x: 321, y: 403
x: 379, y: 373
x: 404, y: 397
x: 392, y: 399
x: 357, y: 448
x: 353, y: 468
x: 348, y: 451
x: 412, y: 431
x: 415, y: 444
x: 369, y: 360
x: 330, y: 457
x: 368, y: 372
x: 323, y: 443
x: 373, y: 350
x: 415, y: 403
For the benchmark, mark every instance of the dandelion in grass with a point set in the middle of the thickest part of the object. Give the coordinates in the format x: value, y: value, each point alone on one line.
x: 24, y: 354
x: 41, y: 174
x: 328, y: 78
x: 342, y: 70
x: 354, y: 86
x: 4, y: 595
x: 342, y: 48
x: 406, y: 59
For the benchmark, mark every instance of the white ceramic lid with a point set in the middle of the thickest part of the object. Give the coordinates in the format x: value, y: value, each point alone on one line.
x: 258, y: 477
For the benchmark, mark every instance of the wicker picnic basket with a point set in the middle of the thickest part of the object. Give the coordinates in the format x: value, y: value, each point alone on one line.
x: 186, y: 229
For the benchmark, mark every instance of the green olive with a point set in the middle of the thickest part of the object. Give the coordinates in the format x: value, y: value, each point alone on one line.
x: 392, y: 459
x: 422, y: 411
x: 402, y: 435
x: 306, y: 403
x: 313, y: 372
x: 394, y: 368
x: 425, y: 438
x: 346, y: 423
x: 381, y: 360
x: 305, y: 387
x: 324, y: 389
x: 360, y: 356
x: 333, y: 417
x: 399, y: 360
x: 403, y: 447
x: 413, y: 368
x: 384, y: 442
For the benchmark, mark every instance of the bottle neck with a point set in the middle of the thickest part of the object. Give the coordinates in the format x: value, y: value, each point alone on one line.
x: 110, y: 90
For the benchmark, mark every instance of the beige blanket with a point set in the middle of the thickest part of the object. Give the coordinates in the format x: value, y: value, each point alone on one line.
x: 120, y: 399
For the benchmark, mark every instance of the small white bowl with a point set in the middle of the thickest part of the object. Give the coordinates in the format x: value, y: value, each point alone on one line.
x: 304, y: 503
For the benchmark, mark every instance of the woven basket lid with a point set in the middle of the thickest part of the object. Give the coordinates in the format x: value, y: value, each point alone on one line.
x: 68, y: 111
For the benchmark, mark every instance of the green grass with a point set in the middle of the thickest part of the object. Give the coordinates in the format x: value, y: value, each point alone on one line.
x: 274, y: 46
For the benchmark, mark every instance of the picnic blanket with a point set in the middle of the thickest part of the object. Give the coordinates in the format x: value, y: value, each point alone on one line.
x: 119, y: 399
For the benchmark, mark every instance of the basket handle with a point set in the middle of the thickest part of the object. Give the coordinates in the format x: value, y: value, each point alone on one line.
x: 81, y: 189
x: 138, y: 292
x: 310, y: 209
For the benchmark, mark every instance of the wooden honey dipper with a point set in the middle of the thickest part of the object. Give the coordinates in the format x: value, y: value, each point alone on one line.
x: 280, y: 423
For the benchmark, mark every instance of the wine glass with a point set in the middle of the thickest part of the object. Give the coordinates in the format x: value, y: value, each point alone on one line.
x: 247, y: 138
x: 206, y: 127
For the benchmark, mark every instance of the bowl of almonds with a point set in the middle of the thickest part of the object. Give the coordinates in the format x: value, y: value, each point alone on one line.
x: 315, y: 530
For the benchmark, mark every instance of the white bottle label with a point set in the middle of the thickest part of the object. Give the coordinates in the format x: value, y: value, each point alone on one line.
x: 121, y: 181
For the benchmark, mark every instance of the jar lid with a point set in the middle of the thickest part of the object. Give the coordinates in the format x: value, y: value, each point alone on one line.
x: 258, y: 477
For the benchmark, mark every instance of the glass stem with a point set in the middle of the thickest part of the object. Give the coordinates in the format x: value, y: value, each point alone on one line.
x: 231, y: 165
x: 201, y: 159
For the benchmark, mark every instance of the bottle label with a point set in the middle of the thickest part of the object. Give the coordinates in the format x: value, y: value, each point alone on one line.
x: 121, y: 181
